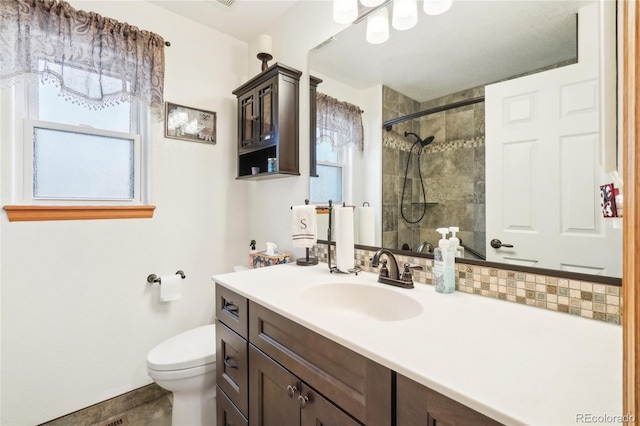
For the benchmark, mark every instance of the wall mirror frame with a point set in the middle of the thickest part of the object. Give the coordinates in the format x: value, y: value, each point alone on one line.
x: 377, y: 76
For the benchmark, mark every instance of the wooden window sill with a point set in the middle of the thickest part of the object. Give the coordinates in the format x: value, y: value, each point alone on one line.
x: 40, y: 213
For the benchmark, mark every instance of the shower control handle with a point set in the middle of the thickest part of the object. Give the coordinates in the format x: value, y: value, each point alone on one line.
x: 496, y: 243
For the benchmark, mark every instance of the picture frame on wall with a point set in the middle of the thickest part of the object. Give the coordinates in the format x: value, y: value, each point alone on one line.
x: 189, y: 124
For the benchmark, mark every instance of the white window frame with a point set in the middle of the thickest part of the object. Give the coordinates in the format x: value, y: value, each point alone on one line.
x: 24, y: 104
x: 345, y: 164
x: 28, y: 166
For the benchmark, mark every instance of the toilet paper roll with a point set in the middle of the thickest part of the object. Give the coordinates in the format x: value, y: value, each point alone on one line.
x: 366, y: 226
x: 344, y: 238
x: 170, y: 288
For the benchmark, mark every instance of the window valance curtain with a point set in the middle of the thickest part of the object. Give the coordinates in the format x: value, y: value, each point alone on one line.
x: 96, y: 61
x: 339, y: 122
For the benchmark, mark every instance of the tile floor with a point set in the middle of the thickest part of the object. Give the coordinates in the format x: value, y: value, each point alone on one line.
x: 146, y: 406
x: 153, y: 413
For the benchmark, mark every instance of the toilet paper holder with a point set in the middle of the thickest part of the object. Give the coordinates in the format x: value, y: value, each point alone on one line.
x: 153, y: 278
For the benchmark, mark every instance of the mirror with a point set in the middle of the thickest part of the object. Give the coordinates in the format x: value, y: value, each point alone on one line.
x: 443, y: 60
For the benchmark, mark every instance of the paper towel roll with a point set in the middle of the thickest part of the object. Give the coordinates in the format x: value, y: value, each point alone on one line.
x: 170, y: 287
x: 344, y: 238
x: 366, y: 226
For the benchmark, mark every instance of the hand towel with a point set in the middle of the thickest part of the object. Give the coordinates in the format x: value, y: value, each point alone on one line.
x: 304, y: 226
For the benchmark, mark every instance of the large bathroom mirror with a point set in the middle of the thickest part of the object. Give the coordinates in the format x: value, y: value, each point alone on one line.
x: 443, y: 66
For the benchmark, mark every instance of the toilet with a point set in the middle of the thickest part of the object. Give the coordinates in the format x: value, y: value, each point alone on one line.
x: 186, y: 365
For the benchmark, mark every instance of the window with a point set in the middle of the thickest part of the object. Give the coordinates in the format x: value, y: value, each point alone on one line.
x: 80, y: 141
x: 76, y: 154
x: 330, y: 165
x: 339, y: 131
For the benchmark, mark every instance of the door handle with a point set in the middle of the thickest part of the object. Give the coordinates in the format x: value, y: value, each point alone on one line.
x: 496, y: 243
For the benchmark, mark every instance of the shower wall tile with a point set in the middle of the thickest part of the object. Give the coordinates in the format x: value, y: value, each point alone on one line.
x: 390, y: 161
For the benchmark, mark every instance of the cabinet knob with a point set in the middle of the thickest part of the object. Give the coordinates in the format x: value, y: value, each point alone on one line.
x: 291, y: 391
x: 302, y: 400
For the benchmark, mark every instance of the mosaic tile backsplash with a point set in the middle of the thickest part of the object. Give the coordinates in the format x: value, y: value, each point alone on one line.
x: 586, y: 299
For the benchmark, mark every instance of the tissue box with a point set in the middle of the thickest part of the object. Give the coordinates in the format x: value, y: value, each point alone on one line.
x: 260, y: 259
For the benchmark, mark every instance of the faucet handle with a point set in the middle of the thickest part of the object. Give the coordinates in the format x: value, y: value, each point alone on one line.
x: 406, y: 275
x: 384, y: 272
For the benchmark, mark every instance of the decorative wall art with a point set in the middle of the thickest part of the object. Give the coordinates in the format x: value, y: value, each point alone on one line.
x: 189, y: 124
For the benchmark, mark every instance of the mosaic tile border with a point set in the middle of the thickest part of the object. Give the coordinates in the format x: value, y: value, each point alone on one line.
x: 586, y: 299
x: 403, y: 145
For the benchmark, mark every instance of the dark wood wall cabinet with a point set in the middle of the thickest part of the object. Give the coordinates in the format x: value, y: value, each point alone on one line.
x: 272, y: 371
x: 268, y: 118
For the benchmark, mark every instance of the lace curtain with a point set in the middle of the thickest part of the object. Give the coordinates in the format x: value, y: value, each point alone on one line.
x: 339, y: 122
x: 96, y: 61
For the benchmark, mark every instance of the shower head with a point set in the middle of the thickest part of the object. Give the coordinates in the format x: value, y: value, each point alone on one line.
x: 423, y: 142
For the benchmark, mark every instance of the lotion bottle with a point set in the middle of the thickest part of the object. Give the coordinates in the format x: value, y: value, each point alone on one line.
x: 450, y: 268
x: 439, y: 255
x: 454, y: 242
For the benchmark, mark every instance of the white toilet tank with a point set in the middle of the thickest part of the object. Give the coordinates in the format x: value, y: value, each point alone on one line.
x: 192, y: 348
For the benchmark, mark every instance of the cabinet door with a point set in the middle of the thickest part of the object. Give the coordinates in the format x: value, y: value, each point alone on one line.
x: 266, y: 120
x: 247, y: 116
x: 232, y: 366
x: 443, y: 411
x: 273, y: 392
x: 227, y: 413
x: 318, y: 411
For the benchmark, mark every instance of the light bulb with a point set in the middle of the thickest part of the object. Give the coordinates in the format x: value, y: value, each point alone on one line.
x: 378, y: 26
x: 371, y: 3
x: 345, y: 11
x: 436, y: 7
x: 405, y: 14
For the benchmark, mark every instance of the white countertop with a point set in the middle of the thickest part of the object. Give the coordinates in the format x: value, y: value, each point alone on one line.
x: 514, y: 363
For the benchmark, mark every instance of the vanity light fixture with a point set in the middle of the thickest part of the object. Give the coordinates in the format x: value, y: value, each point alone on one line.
x: 436, y: 7
x: 345, y: 11
x: 405, y: 14
x: 264, y: 50
x: 378, y: 26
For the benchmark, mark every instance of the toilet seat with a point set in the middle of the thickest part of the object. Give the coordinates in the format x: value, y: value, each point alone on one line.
x: 192, y: 348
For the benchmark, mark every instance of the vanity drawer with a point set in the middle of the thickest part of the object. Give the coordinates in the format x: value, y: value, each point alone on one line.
x: 232, y: 309
x: 227, y: 413
x: 232, y: 366
x: 356, y: 384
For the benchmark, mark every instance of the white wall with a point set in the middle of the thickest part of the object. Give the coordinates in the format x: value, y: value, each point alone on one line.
x: 78, y: 317
x: 304, y: 26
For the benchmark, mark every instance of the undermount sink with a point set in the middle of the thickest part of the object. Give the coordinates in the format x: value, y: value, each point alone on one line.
x: 358, y: 301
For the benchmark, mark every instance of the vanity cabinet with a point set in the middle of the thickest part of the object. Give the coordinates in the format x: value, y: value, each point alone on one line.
x: 417, y: 405
x: 232, y: 361
x: 294, y: 376
x: 280, y: 398
x: 268, y: 111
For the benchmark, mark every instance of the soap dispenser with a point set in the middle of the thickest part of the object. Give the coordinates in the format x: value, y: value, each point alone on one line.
x: 439, y: 255
x: 454, y: 242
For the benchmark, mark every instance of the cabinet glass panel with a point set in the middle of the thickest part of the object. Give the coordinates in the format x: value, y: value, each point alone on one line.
x: 247, y: 121
x: 266, y: 112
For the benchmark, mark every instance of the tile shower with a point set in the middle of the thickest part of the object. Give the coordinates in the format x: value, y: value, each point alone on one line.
x: 452, y: 168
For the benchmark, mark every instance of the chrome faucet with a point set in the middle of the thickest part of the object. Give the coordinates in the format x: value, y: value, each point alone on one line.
x: 392, y: 275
